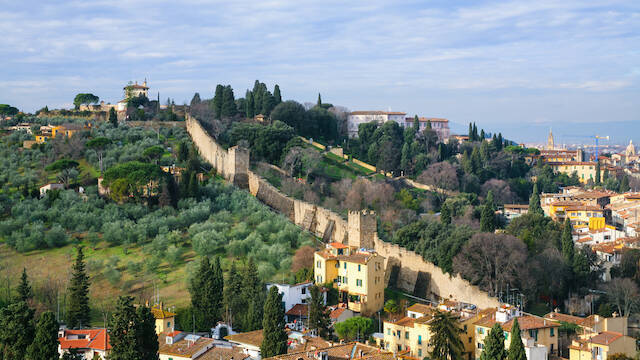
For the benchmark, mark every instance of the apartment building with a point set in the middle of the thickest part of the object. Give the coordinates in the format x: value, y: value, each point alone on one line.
x: 358, y: 274
x: 439, y: 125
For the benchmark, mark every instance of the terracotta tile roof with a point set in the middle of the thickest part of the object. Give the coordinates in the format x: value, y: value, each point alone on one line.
x: 605, y: 338
x: 526, y: 322
x: 224, y: 353
x: 253, y: 338
x: 183, y: 348
x: 554, y: 316
x: 299, y: 310
x: 338, y: 245
x: 425, y: 119
x: 420, y: 308
x: 341, y: 352
x: 97, y: 339
x: 359, y: 257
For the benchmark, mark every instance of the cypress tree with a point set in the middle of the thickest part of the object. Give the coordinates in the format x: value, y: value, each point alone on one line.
x: 228, y: 108
x: 534, y: 202
x: 319, y: 100
x: 113, y: 117
x: 319, y: 320
x: 624, y: 184
x: 207, y: 291
x: 488, y: 217
x: 250, y: 105
x: 45, y: 341
x: 494, y: 345
x: 274, y: 341
x: 476, y: 160
x: 516, y: 347
x: 78, y: 307
x: 568, y: 249
x: 218, y: 99
x: 16, y: 330
x: 132, y: 332
x: 254, y: 291
x: 597, y: 180
x: 445, y: 214
x: 416, y: 123
x: 276, y: 94
x: 147, y: 339
x: 445, y: 341
x: 235, y: 304
x: 500, y: 141
x: 267, y: 103
x: 24, y: 289
x: 470, y: 132
x: 429, y: 124
x: 196, y: 99
x: 475, y: 132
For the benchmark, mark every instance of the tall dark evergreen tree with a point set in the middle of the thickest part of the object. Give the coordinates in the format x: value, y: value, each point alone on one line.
x: 254, y: 292
x: 445, y: 214
x: 319, y: 103
x: 228, y: 108
x: 274, y: 341
x: 500, y: 141
x: 78, y: 310
x: 470, y: 132
x: 24, y: 289
x: 235, y: 303
x: 16, y: 331
x: 319, y: 319
x: 207, y: 293
x: 218, y: 99
x: 45, y: 341
x: 476, y: 137
x: 445, y: 342
x: 597, y: 179
x: 132, y: 332
x: 516, y: 347
x: 250, y: 110
x: 276, y: 94
x: 268, y: 103
x: 488, y: 216
x: 196, y: 99
x: 113, y: 117
x: 568, y: 249
x: 416, y: 123
x: 494, y: 345
x: 534, y: 202
x: 624, y: 184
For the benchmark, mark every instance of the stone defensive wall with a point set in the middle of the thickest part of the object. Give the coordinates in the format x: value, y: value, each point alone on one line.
x: 405, y: 269
x: 413, y: 274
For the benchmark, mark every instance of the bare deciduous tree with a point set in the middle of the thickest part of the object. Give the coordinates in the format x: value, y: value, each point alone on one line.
x: 442, y: 174
x: 624, y: 293
x: 303, y: 258
x: 502, y: 193
x: 493, y: 261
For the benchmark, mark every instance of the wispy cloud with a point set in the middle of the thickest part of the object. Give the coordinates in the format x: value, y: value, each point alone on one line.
x: 437, y: 58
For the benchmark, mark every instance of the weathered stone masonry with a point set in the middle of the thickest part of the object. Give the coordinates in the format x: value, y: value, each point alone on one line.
x: 406, y: 269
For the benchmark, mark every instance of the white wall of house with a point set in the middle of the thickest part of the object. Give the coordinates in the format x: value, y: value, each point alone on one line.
x: 293, y: 294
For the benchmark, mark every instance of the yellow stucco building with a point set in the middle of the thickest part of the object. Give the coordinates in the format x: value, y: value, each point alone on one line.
x: 165, y: 320
x: 600, y: 346
x: 357, y: 274
x: 586, y: 170
x: 539, y: 335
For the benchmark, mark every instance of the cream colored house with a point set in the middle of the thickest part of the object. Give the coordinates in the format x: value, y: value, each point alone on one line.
x: 357, y: 274
x: 165, y: 320
x: 600, y: 346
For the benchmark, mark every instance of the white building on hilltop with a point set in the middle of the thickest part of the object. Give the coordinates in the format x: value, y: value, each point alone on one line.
x: 361, y: 117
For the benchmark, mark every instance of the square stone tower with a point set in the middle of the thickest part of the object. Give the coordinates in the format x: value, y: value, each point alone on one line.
x: 237, y: 166
x: 362, y: 228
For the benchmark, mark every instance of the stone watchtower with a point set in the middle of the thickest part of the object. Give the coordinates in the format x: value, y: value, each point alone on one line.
x: 362, y: 229
x: 237, y: 166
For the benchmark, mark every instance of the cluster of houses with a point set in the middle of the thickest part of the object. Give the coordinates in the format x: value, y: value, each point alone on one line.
x: 356, y: 274
x: 606, y: 221
x: 46, y: 132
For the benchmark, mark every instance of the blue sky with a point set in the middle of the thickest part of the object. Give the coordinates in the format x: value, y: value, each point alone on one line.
x: 516, y: 66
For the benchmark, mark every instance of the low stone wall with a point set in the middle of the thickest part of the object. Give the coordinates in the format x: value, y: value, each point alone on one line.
x: 364, y: 164
x: 268, y: 194
x: 426, y: 187
x: 441, y: 284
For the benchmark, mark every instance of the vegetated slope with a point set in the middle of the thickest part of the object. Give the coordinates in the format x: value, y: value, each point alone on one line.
x: 131, y: 247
